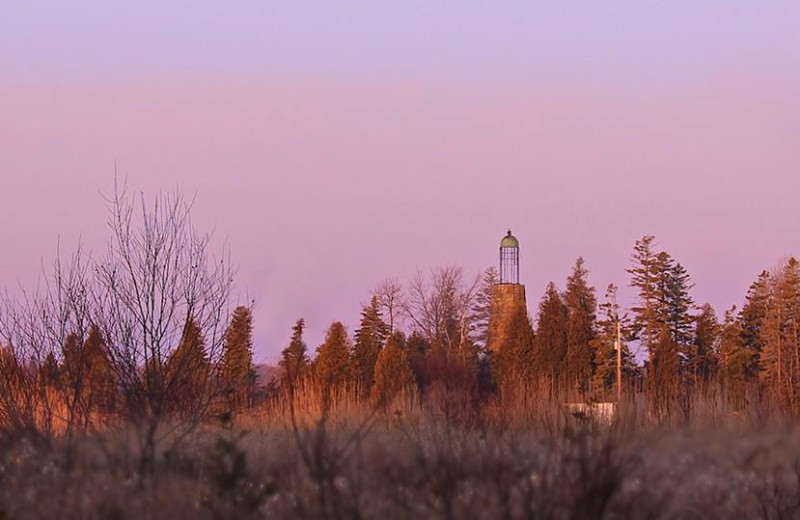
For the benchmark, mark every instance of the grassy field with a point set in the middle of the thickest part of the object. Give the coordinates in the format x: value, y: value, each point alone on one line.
x: 415, y: 462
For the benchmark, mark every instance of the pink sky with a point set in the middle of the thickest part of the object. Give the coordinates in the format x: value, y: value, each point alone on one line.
x: 327, y: 171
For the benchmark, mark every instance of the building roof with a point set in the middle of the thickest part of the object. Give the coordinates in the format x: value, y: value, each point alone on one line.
x: 509, y: 240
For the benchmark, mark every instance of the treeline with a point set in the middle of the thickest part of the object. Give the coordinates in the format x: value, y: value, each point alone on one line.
x: 432, y: 338
x: 79, y: 383
x: 143, y: 336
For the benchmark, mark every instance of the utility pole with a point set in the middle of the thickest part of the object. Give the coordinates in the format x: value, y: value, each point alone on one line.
x: 619, y: 363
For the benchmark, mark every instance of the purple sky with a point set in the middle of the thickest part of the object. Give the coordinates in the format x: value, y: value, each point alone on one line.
x: 336, y: 144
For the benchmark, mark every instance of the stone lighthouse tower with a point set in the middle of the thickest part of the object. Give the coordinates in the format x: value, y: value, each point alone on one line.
x: 508, y: 296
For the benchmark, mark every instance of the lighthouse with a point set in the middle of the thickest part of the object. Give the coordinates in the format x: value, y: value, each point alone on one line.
x: 508, y: 296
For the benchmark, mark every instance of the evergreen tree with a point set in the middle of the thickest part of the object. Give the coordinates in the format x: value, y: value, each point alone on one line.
x: 481, y: 309
x: 187, y: 369
x: 294, y: 361
x: 664, y: 306
x: 332, y: 366
x: 663, y: 378
x: 237, y: 357
x: 100, y: 376
x: 751, y: 324
x: 675, y: 302
x: 703, y: 355
x: 513, y: 365
x: 780, y: 354
x: 754, y: 313
x: 645, y: 275
x: 393, y: 373
x: 550, y: 341
x: 605, y: 345
x: 49, y: 373
x: 73, y: 367
x: 581, y: 329
x: 369, y: 339
x: 788, y: 291
x: 86, y: 373
x: 736, y: 361
x: 417, y: 349
x: 74, y: 374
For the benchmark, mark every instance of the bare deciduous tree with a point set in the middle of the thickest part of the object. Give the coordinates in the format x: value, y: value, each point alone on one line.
x: 129, y: 309
x: 439, y: 307
x: 157, y: 275
x: 36, y: 326
x: 390, y: 298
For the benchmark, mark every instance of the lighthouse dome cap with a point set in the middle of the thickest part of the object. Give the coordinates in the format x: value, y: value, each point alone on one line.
x: 509, y: 240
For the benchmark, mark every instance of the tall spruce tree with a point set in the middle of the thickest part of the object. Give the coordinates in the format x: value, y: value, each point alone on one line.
x: 663, y: 382
x: 550, y: 340
x: 675, y: 302
x: 393, y: 374
x: 369, y: 340
x: 481, y: 309
x: 513, y: 363
x: 663, y: 306
x: 789, y: 295
x: 332, y: 365
x: 87, y: 374
x: 49, y: 373
x: 581, y: 305
x: 754, y: 313
x: 73, y: 367
x: 294, y: 360
x: 703, y: 355
x: 186, y: 371
x: 645, y: 278
x: 101, y: 379
x: 417, y: 350
x: 605, y: 346
x: 237, y: 357
x: 780, y: 335
x: 736, y: 361
x: 752, y: 323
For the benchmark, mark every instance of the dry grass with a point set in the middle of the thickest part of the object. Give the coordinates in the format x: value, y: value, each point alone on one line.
x: 419, y: 461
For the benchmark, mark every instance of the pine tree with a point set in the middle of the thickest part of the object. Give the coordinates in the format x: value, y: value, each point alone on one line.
x: 581, y: 329
x: 676, y: 303
x: 187, y: 369
x: 237, y: 357
x: 780, y: 355
x: 332, y: 365
x: 752, y: 322
x: 789, y: 296
x: 294, y: 361
x: 736, y: 361
x: 481, y: 309
x: 417, y: 349
x: 49, y: 373
x: 754, y: 313
x: 703, y: 355
x: 393, y: 373
x: 664, y: 307
x: 550, y: 341
x: 645, y: 275
x: 513, y: 363
x: 75, y: 380
x: 663, y: 378
x: 369, y: 339
x: 73, y: 367
x: 605, y: 345
x: 86, y: 373
x: 100, y: 377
